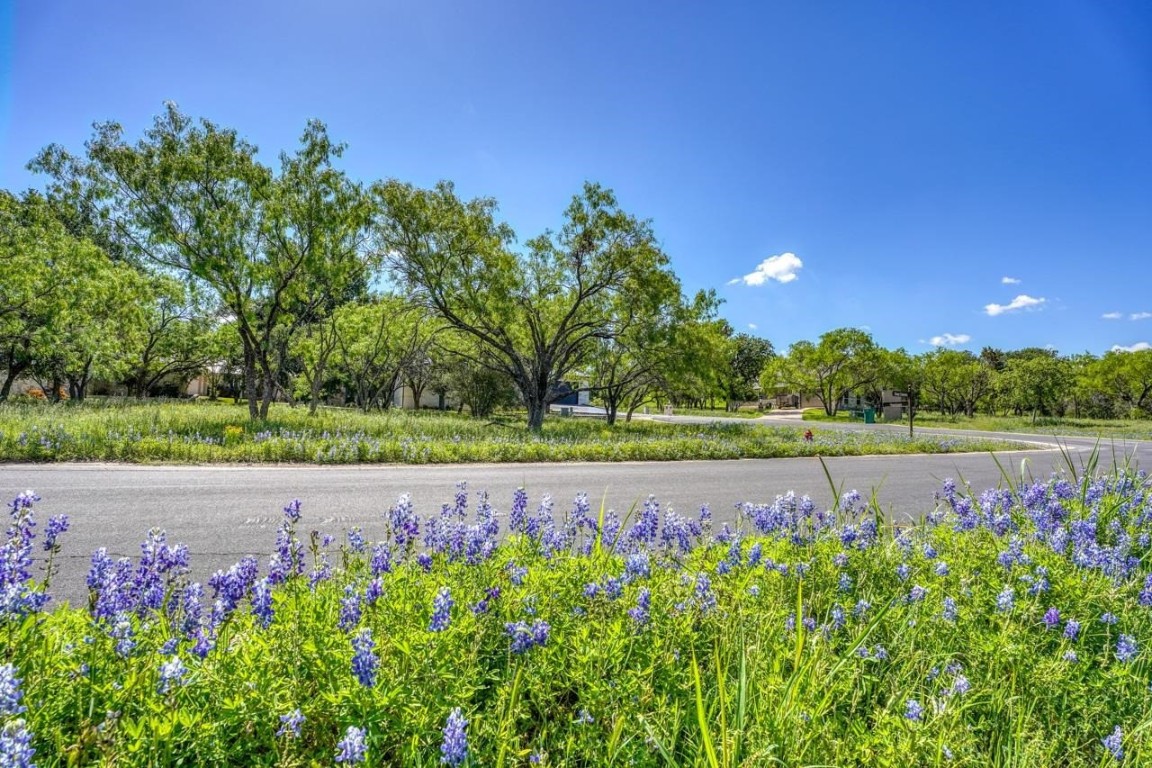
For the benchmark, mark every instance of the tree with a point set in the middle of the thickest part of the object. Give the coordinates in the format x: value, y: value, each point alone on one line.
x: 192, y: 198
x: 175, y: 339
x: 1124, y: 376
x: 373, y: 343
x: 1036, y: 383
x: 843, y: 360
x: 536, y: 314
x: 746, y: 361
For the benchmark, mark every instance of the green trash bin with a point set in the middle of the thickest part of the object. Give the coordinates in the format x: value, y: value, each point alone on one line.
x: 869, y: 415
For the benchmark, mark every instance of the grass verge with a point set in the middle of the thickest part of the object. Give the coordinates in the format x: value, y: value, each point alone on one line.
x: 207, y: 433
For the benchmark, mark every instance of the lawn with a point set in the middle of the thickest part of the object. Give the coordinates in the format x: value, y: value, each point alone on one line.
x: 208, y: 432
x: 1009, y: 628
x: 1045, y: 425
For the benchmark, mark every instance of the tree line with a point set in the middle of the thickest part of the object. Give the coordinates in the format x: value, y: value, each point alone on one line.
x: 147, y: 262
x: 1031, y: 381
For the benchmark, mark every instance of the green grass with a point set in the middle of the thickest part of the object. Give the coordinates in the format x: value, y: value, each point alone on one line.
x: 792, y: 640
x: 206, y: 433
x: 745, y: 412
x: 1106, y: 428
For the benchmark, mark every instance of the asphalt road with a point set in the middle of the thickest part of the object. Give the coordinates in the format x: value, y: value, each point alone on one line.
x: 224, y: 512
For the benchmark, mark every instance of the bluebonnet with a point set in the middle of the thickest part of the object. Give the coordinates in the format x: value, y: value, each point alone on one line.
x: 10, y: 693
x: 374, y: 591
x: 356, y: 540
x: 290, y: 724
x: 454, y: 747
x: 584, y: 717
x: 637, y: 566
x: 364, y: 661
x: 424, y: 560
x: 518, y: 517
x: 1108, y: 618
x: 1071, y: 629
x: 1051, y: 618
x: 646, y: 528
x: 917, y: 594
x: 517, y: 574
x: 913, y: 710
x: 845, y: 583
x: 1114, y: 743
x: 262, y: 602
x: 352, y: 748
x: 860, y: 610
x: 17, y: 597
x: 1126, y: 648
x: 288, y: 559
x: 172, y: 672
x: 57, y: 525
x: 1006, y: 599
x: 349, y: 609
x: 525, y: 637
x: 641, y: 613
x: 292, y: 511
x: 170, y: 646
x: 941, y: 568
x: 705, y: 597
x: 381, y: 561
x: 123, y: 633
x: 16, y: 750
x: 903, y: 571
x: 441, y: 610
x: 960, y: 686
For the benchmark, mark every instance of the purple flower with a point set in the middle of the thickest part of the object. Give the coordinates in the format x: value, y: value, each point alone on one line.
x: 10, y: 693
x: 57, y: 525
x: 16, y: 749
x: 381, y: 561
x: 441, y: 610
x: 364, y: 661
x: 1051, y: 618
x: 424, y: 560
x: 262, y: 602
x: 641, y: 613
x: 960, y: 686
x: 454, y: 747
x: 356, y: 540
x: 949, y: 612
x: 913, y: 710
x: 352, y: 749
x: 292, y: 511
x: 524, y: 637
x: 172, y: 672
x: 1114, y: 743
x: 1126, y: 648
x: 1006, y: 599
x: 290, y: 724
x: 374, y: 591
x: 917, y: 594
x: 1071, y: 629
x: 705, y: 597
x: 349, y: 609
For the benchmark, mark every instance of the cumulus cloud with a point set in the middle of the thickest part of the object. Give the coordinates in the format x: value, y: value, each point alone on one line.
x: 1111, y: 315
x: 752, y: 326
x: 1139, y: 346
x: 1023, y: 301
x: 1140, y: 315
x: 949, y: 339
x: 781, y: 268
x: 1010, y: 280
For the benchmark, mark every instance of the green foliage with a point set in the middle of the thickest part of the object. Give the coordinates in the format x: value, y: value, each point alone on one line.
x: 842, y: 361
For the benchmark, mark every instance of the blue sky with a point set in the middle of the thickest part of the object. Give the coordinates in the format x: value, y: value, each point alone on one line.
x: 967, y: 173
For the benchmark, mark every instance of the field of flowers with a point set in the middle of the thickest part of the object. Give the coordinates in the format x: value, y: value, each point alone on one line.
x: 1008, y: 628
x: 205, y: 433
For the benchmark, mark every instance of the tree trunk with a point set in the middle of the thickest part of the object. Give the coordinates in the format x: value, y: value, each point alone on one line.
x: 14, y: 372
x: 536, y: 410
x: 250, y: 381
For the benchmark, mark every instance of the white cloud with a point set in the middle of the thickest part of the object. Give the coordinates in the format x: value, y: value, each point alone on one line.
x: 1140, y: 315
x: 1023, y: 301
x: 1139, y: 346
x: 1111, y: 316
x: 1010, y: 280
x: 782, y: 269
x: 752, y: 326
x: 949, y: 339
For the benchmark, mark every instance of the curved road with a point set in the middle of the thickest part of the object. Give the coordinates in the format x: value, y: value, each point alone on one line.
x: 224, y: 512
